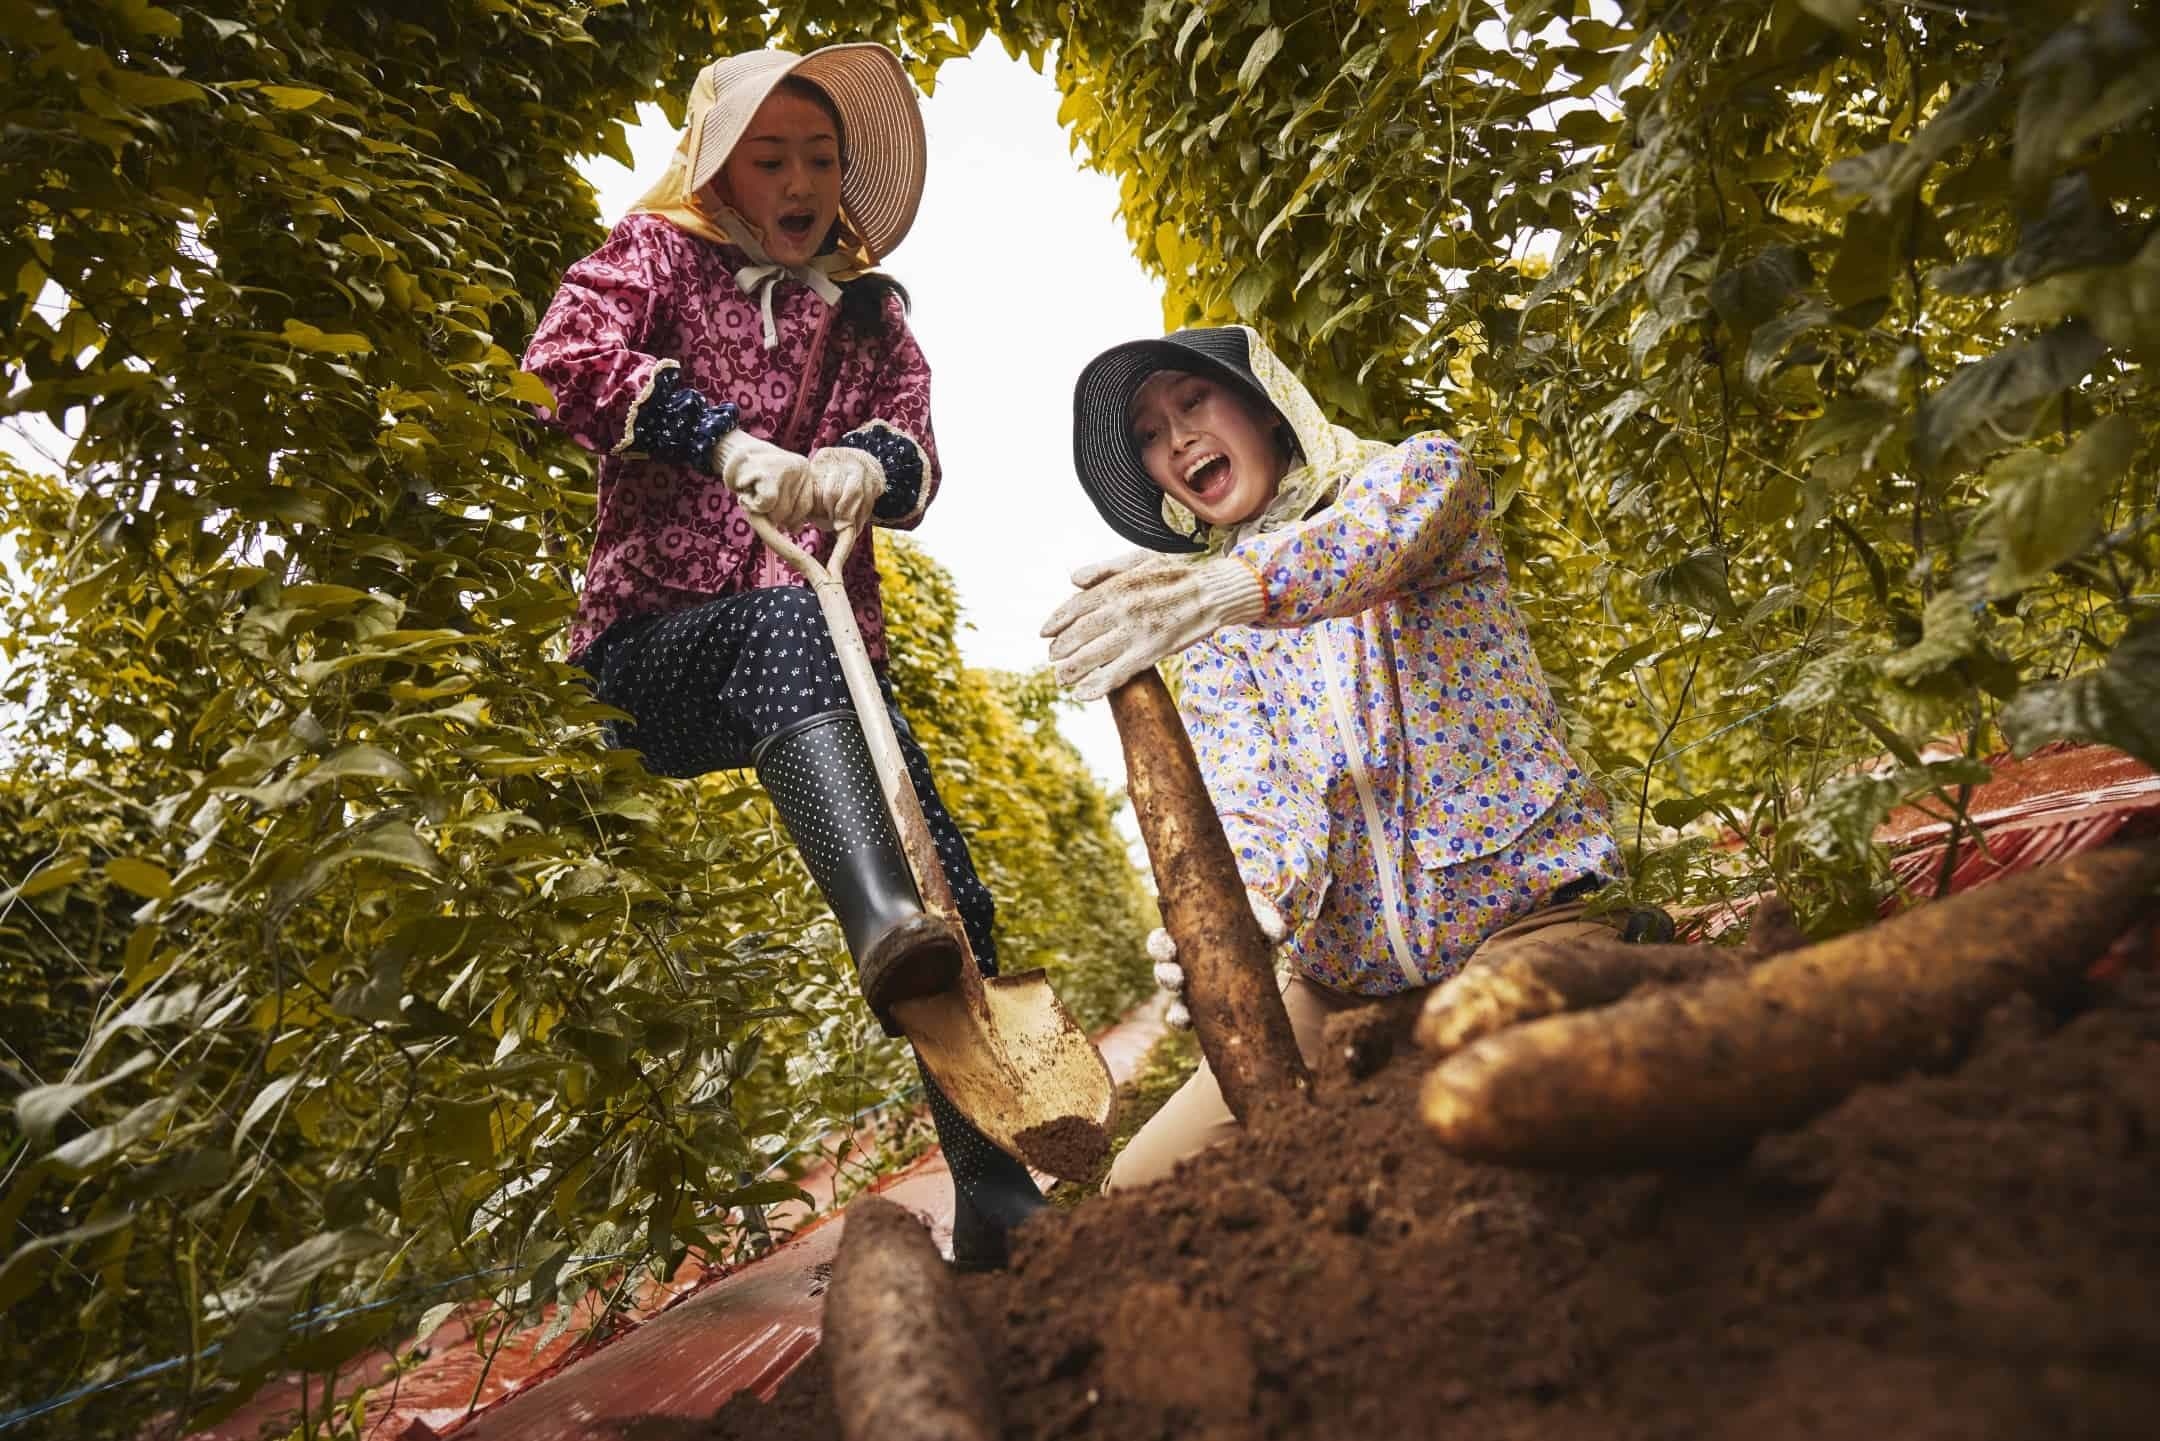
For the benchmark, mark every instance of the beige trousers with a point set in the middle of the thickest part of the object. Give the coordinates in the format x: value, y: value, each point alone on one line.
x: 1197, y: 1117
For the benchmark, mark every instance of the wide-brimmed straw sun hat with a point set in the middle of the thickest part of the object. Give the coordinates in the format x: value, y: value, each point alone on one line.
x: 886, y: 155
x: 1103, y: 449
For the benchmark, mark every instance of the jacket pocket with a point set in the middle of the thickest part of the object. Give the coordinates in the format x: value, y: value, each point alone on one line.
x: 1490, y: 810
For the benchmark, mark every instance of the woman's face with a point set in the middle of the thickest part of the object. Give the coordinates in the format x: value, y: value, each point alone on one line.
x: 784, y: 175
x: 1211, y: 448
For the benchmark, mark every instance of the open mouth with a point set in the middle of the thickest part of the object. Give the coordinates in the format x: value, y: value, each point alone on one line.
x: 1210, y: 477
x: 797, y: 224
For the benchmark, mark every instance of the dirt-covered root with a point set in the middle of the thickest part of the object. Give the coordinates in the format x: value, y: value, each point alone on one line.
x: 1230, y: 986
x: 1681, y: 1073
x: 1548, y: 978
x: 906, y: 1365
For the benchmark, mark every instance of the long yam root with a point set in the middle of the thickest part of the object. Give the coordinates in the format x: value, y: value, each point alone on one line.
x: 1237, y: 1007
x: 906, y: 1365
x: 1536, y: 979
x: 1677, y: 1074
x: 1545, y: 978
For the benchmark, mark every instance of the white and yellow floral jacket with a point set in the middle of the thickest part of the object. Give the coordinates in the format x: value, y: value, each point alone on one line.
x: 1381, y: 745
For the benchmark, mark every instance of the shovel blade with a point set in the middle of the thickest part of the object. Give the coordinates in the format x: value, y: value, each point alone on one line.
x: 1011, y: 1057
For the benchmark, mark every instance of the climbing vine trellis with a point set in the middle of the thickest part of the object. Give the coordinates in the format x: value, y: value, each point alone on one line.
x: 1803, y: 338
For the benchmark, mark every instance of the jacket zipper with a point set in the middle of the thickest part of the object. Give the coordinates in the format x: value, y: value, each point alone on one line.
x: 1387, y: 860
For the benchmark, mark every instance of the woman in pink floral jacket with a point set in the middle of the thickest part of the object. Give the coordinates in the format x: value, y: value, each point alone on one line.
x: 730, y: 350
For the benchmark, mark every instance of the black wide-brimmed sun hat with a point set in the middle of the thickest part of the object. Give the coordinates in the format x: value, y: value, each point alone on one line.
x: 1103, y: 450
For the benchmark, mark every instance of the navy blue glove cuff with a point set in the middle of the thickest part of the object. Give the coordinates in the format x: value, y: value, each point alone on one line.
x: 902, y: 459
x: 679, y: 425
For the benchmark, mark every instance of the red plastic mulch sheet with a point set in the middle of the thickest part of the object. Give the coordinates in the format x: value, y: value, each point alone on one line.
x: 694, y: 1341
x: 2061, y: 801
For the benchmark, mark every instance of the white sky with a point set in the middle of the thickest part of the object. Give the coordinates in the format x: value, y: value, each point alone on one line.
x: 1020, y: 273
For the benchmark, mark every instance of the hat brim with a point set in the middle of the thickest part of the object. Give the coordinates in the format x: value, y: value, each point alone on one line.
x: 1103, y: 453
x: 887, y: 153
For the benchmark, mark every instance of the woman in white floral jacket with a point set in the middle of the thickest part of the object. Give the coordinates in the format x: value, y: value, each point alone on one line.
x: 1372, y: 723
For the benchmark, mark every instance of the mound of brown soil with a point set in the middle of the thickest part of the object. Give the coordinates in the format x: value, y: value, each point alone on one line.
x: 1969, y: 1255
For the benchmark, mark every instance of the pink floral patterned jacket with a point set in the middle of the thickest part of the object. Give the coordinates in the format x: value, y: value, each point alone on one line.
x: 655, y: 298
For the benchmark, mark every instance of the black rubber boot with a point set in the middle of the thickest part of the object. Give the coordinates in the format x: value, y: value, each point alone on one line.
x: 819, y: 775
x: 992, y: 1193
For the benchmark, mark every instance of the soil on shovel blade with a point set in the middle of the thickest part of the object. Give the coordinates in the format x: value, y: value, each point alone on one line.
x: 1971, y: 1255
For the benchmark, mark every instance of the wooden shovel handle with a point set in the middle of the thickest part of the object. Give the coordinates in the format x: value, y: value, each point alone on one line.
x: 900, y: 799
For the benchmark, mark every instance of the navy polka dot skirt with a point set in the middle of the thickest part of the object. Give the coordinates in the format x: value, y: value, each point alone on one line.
x: 708, y: 682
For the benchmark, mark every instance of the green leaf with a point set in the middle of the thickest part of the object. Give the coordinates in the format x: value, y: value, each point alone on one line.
x: 378, y: 997
x: 1757, y: 289
x: 529, y: 389
x: 2077, y: 232
x: 1256, y: 59
x: 292, y: 97
x: 1697, y: 582
x: 39, y: 1110
x: 260, y: 1332
x: 1766, y: 350
x: 1249, y: 292
x: 1193, y: 22
x: 301, y: 335
x: 64, y: 872
x: 149, y: 91
x: 392, y: 843
x: 266, y: 1100
x: 22, y: 1273
x: 1994, y: 398
x: 2045, y: 509
x: 1838, y: 824
x: 432, y: 1320
x: 1888, y: 176
x: 1949, y: 633
x: 1681, y: 811
x: 462, y: 1131
x: 2116, y: 705
x: 1840, y: 676
x: 764, y: 1193
x: 94, y: 1150
x: 144, y: 878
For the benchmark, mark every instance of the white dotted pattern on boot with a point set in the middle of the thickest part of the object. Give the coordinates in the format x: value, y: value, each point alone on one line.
x: 709, y: 681
x: 826, y: 786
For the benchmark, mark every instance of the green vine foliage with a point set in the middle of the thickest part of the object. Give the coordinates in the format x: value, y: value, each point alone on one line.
x: 342, y: 958
x: 1803, y: 340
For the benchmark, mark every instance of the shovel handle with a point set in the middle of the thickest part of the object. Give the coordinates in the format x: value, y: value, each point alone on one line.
x: 900, y: 799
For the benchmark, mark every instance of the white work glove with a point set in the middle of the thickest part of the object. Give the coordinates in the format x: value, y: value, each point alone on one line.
x: 845, y: 484
x: 1133, y: 611
x: 1171, y: 976
x: 767, y: 480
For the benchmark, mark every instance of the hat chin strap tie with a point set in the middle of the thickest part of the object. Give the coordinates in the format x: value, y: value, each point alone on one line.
x: 763, y: 272
x: 759, y: 278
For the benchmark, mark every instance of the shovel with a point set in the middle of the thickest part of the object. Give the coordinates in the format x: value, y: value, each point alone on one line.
x: 1003, y: 1049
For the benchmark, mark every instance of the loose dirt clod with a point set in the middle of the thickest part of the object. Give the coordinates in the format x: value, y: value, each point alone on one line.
x: 1068, y: 1146
x: 1970, y: 1255
x: 1357, y: 1043
x: 1685, y: 1072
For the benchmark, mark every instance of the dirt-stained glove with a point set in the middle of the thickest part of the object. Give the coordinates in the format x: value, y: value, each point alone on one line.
x: 845, y: 484
x: 1171, y: 976
x: 1133, y: 611
x: 769, y: 481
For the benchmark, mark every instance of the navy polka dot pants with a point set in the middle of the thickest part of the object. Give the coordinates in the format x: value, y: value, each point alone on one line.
x: 709, y: 682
